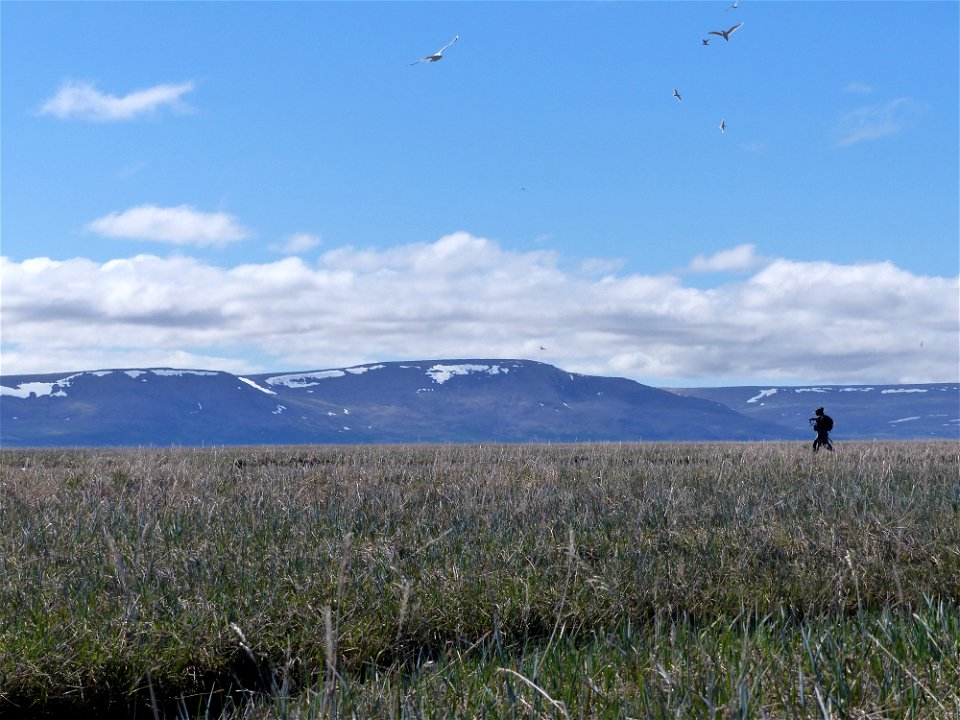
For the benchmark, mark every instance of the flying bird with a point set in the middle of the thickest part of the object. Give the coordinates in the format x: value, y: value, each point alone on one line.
x: 723, y: 126
x: 676, y: 94
x: 438, y: 55
x: 725, y: 34
x: 736, y: 4
x: 705, y: 41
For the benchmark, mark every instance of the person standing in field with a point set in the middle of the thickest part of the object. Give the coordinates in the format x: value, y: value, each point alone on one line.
x: 823, y: 424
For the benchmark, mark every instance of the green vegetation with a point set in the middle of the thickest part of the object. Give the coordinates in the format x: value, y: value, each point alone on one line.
x: 600, y: 581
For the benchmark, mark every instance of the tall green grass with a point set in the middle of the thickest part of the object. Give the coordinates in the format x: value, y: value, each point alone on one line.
x: 667, y: 580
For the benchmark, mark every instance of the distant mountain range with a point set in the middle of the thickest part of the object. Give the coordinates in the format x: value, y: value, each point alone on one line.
x: 440, y: 401
x: 862, y: 412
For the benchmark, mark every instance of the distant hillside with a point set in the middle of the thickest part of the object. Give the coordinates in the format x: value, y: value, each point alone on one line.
x: 430, y: 401
x: 875, y: 412
x: 442, y: 401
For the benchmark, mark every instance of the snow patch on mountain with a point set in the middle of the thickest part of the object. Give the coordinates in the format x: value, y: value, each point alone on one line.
x: 40, y: 389
x: 58, y: 388
x: 252, y: 384
x: 25, y: 390
x: 442, y: 373
x: 361, y: 369
x: 303, y: 380
x: 762, y: 394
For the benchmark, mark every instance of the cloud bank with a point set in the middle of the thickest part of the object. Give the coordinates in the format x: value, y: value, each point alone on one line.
x: 81, y: 100
x: 466, y: 296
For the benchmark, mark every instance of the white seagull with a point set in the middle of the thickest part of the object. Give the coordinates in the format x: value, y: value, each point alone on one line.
x: 725, y: 34
x: 723, y: 126
x: 676, y: 94
x: 438, y: 55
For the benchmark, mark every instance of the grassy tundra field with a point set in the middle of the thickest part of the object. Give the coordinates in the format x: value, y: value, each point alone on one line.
x: 571, y: 581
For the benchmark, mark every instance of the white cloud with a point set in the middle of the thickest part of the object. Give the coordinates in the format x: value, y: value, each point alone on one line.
x: 297, y: 243
x: 859, y: 88
x: 181, y: 225
x: 738, y: 259
x: 464, y: 296
x: 873, y: 122
x: 82, y: 100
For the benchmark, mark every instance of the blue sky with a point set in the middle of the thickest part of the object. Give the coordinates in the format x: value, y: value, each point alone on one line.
x: 273, y: 186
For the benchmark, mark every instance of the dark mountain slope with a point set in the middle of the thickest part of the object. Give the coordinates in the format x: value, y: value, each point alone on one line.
x: 430, y: 401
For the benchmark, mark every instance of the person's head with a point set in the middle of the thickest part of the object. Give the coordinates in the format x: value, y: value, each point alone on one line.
x: 819, y: 411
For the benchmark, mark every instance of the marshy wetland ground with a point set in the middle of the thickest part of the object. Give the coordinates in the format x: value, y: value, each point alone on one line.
x: 570, y: 581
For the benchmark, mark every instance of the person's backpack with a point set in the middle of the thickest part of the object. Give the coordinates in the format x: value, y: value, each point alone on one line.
x: 827, y: 423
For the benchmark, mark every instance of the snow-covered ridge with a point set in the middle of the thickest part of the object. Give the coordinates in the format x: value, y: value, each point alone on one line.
x: 833, y: 389
x: 41, y: 389
x: 361, y: 369
x: 307, y: 379
x: 25, y: 390
x: 302, y: 380
x: 762, y: 394
x: 58, y: 388
x: 823, y: 389
x: 439, y: 373
x: 867, y: 388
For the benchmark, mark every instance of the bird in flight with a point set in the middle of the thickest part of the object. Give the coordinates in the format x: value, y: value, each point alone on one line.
x: 705, y: 41
x: 723, y: 126
x: 676, y: 94
x: 438, y: 55
x: 725, y: 34
x: 736, y: 4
